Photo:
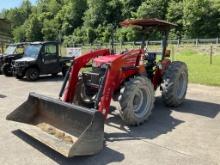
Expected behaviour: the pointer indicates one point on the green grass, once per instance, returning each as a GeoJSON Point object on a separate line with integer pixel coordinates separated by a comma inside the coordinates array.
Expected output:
{"type": "Point", "coordinates": [200, 69]}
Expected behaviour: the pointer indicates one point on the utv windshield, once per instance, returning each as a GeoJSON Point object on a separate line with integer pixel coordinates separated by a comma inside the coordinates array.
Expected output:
{"type": "Point", "coordinates": [10, 49]}
{"type": "Point", "coordinates": [32, 51]}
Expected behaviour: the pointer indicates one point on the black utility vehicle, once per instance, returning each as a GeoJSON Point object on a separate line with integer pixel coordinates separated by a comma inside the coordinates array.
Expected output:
{"type": "Point", "coordinates": [40, 58]}
{"type": "Point", "coordinates": [13, 52]}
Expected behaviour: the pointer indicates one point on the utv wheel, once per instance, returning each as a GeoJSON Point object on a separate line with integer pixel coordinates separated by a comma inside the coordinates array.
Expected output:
{"type": "Point", "coordinates": [82, 97]}
{"type": "Point", "coordinates": [64, 70]}
{"type": "Point", "coordinates": [19, 77]}
{"type": "Point", "coordinates": [32, 74]}
{"type": "Point", "coordinates": [175, 82]}
{"type": "Point", "coordinates": [6, 70]}
{"type": "Point", "coordinates": [136, 100]}
{"type": "Point", "coordinates": [54, 74]}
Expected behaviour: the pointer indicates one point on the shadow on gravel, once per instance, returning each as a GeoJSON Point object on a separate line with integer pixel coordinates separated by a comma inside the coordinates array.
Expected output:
{"type": "Point", "coordinates": [160, 122]}
{"type": "Point", "coordinates": [201, 108]}
{"type": "Point", "coordinates": [2, 96]}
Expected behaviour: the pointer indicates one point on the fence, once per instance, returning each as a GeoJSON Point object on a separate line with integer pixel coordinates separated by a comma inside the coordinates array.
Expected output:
{"type": "Point", "coordinates": [200, 46]}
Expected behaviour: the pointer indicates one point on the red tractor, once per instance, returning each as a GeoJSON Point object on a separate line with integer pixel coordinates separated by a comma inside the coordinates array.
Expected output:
{"type": "Point", "coordinates": [74, 125]}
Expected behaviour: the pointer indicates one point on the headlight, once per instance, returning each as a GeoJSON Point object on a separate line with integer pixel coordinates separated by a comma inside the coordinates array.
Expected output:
{"type": "Point", "coordinates": [21, 63]}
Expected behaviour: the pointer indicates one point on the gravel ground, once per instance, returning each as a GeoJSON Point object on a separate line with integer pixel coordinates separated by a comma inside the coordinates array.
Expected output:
{"type": "Point", "coordinates": [189, 134]}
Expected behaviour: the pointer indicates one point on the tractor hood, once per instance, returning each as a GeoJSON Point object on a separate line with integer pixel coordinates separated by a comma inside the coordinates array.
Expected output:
{"type": "Point", "coordinates": [8, 55]}
{"type": "Point", "coordinates": [97, 62]}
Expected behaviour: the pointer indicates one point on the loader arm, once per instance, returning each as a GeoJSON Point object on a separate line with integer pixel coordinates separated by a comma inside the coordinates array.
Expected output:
{"type": "Point", "coordinates": [79, 63]}
{"type": "Point", "coordinates": [114, 75]}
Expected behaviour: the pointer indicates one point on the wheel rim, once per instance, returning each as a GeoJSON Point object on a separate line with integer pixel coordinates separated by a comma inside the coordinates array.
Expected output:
{"type": "Point", "coordinates": [141, 102]}
{"type": "Point", "coordinates": [34, 75]}
{"type": "Point", "coordinates": [84, 96]}
{"type": "Point", "coordinates": [138, 100]}
{"type": "Point", "coordinates": [181, 85]}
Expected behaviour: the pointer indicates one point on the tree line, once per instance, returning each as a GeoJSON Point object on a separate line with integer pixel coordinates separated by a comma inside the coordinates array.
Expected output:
{"type": "Point", "coordinates": [88, 21]}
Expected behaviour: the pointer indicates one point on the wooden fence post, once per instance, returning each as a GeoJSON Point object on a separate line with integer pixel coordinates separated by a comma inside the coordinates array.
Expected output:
{"type": "Point", "coordinates": [121, 43]}
{"type": "Point", "coordinates": [90, 46]}
{"type": "Point", "coordinates": [211, 53]}
{"type": "Point", "coordinates": [197, 41]}
{"type": "Point", "coordinates": [173, 53]}
{"type": "Point", "coordinates": [178, 42]}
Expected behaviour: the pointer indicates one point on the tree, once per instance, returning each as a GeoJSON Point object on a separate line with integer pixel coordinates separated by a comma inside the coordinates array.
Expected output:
{"type": "Point", "coordinates": [113, 12]}
{"type": "Point", "coordinates": [50, 30]}
{"type": "Point", "coordinates": [153, 9]}
{"type": "Point", "coordinates": [70, 16]}
{"type": "Point", "coordinates": [33, 29]}
{"type": "Point", "coordinates": [201, 18]}
{"type": "Point", "coordinates": [127, 34]}
{"type": "Point", "coordinates": [91, 35]}
{"type": "Point", "coordinates": [26, 9]}
{"type": "Point", "coordinates": [129, 7]}
{"type": "Point", "coordinates": [96, 13]}
{"type": "Point", "coordinates": [17, 16]}
{"type": "Point", "coordinates": [19, 34]}
{"type": "Point", "coordinates": [90, 20]}
{"type": "Point", "coordinates": [175, 15]}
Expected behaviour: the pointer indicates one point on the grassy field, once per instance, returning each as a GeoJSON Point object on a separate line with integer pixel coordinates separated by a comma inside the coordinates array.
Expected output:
{"type": "Point", "coordinates": [200, 69]}
{"type": "Point", "coordinates": [197, 59]}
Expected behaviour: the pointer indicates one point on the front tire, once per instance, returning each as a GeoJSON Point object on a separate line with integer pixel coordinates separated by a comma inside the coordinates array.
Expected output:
{"type": "Point", "coordinates": [32, 74]}
{"type": "Point", "coordinates": [6, 70]}
{"type": "Point", "coordinates": [175, 83]}
{"type": "Point", "coordinates": [19, 77]}
{"type": "Point", "coordinates": [82, 97]}
{"type": "Point", "coordinates": [64, 70]}
{"type": "Point", "coordinates": [136, 100]}
{"type": "Point", "coordinates": [54, 74]}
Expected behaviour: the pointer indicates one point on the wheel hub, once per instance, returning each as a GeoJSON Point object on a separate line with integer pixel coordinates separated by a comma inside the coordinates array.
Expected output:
{"type": "Point", "coordinates": [33, 75]}
{"type": "Point", "coordinates": [138, 100]}
{"type": "Point", "coordinates": [181, 85]}
{"type": "Point", "coordinates": [141, 102]}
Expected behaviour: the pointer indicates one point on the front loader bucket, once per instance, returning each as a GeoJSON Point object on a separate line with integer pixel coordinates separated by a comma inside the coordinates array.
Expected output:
{"type": "Point", "coordinates": [68, 129]}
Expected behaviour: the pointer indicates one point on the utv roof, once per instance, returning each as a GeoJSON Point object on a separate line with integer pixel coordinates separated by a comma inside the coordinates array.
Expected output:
{"type": "Point", "coordinates": [151, 22]}
{"type": "Point", "coordinates": [44, 42]}
{"type": "Point", "coordinates": [19, 43]}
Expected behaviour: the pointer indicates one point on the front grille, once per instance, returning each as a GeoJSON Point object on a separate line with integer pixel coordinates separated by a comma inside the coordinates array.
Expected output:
{"type": "Point", "coordinates": [18, 64]}
{"type": "Point", "coordinates": [93, 78]}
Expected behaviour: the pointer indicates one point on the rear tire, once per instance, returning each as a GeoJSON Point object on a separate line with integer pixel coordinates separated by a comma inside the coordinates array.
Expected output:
{"type": "Point", "coordinates": [175, 82]}
{"type": "Point", "coordinates": [6, 70]}
{"type": "Point", "coordinates": [32, 74]}
{"type": "Point", "coordinates": [136, 100]}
